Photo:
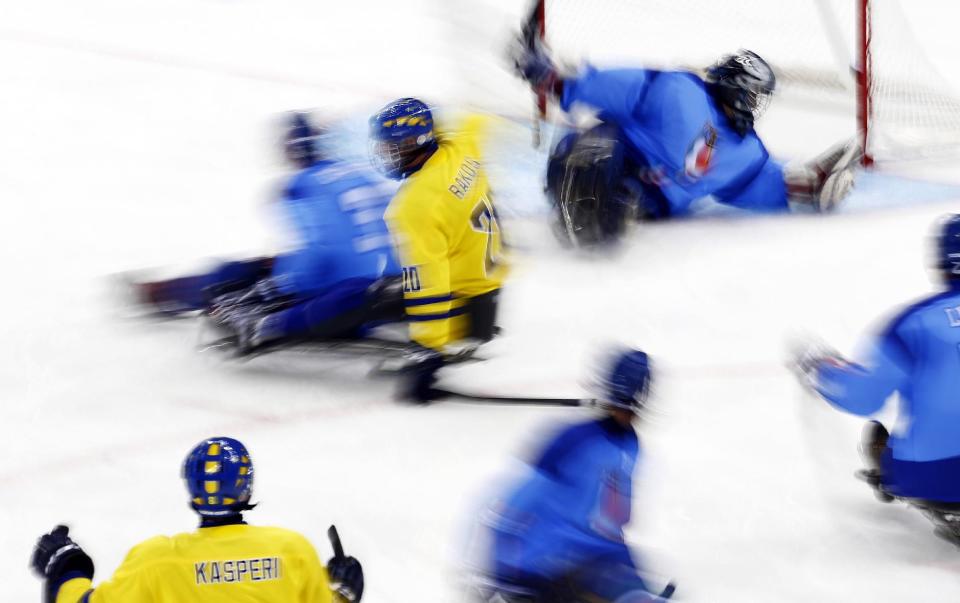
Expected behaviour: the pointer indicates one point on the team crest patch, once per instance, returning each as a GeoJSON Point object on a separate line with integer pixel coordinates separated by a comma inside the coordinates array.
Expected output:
{"type": "Point", "coordinates": [700, 156]}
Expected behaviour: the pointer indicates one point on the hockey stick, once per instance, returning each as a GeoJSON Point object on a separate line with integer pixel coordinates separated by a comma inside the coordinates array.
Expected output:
{"type": "Point", "coordinates": [334, 537]}
{"type": "Point", "coordinates": [531, 32]}
{"type": "Point", "coordinates": [463, 397]}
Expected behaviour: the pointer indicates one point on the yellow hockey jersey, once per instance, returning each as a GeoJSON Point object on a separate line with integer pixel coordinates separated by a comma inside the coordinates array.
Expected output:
{"type": "Point", "coordinates": [225, 564]}
{"type": "Point", "coordinates": [446, 228]}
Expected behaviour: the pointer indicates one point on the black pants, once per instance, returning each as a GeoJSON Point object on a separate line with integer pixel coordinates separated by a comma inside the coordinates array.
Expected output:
{"type": "Point", "coordinates": [482, 313]}
{"type": "Point", "coordinates": [384, 303]}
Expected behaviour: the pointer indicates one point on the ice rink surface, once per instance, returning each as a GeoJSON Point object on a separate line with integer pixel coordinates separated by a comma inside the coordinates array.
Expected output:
{"type": "Point", "coordinates": [138, 133]}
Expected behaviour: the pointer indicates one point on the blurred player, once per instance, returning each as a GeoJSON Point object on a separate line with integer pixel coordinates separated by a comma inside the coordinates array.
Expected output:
{"type": "Point", "coordinates": [446, 227]}
{"type": "Point", "coordinates": [225, 560]}
{"type": "Point", "coordinates": [342, 275]}
{"type": "Point", "coordinates": [558, 535]}
{"type": "Point", "coordinates": [669, 138]}
{"type": "Point", "coordinates": [917, 355]}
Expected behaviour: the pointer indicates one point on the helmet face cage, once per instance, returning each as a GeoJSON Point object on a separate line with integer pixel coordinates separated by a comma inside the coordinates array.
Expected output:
{"type": "Point", "coordinates": [301, 149]}
{"type": "Point", "coordinates": [385, 157]}
{"type": "Point", "coordinates": [635, 402]}
{"type": "Point", "coordinates": [301, 140]}
{"type": "Point", "coordinates": [757, 101]}
{"type": "Point", "coordinates": [948, 247]}
{"type": "Point", "coordinates": [952, 266]}
{"type": "Point", "coordinates": [394, 159]}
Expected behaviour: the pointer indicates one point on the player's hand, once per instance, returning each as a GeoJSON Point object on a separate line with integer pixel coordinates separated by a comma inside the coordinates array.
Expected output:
{"type": "Point", "coordinates": [532, 63]}
{"type": "Point", "coordinates": [223, 305]}
{"type": "Point", "coordinates": [56, 555]}
{"type": "Point", "coordinates": [267, 290]}
{"type": "Point", "coordinates": [262, 292]}
{"type": "Point", "coordinates": [346, 577]}
{"type": "Point", "coordinates": [806, 358]}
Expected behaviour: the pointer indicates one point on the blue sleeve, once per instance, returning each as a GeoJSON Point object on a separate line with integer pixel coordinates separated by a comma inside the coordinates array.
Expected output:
{"type": "Point", "coordinates": [765, 192]}
{"type": "Point", "coordinates": [615, 93]}
{"type": "Point", "coordinates": [863, 389]}
{"type": "Point", "coordinates": [553, 458]}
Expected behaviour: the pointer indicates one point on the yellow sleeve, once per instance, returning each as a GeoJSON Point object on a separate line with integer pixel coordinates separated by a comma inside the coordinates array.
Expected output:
{"type": "Point", "coordinates": [424, 251]}
{"type": "Point", "coordinates": [129, 583]}
{"type": "Point", "coordinates": [73, 591]}
{"type": "Point", "coordinates": [481, 127]}
{"type": "Point", "coordinates": [476, 127]}
{"type": "Point", "coordinates": [316, 584]}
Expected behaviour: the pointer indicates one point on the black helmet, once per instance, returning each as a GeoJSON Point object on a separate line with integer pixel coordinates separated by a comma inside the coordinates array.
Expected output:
{"type": "Point", "coordinates": [948, 247]}
{"type": "Point", "coordinates": [626, 385]}
{"type": "Point", "coordinates": [743, 82]}
{"type": "Point", "coordinates": [301, 139]}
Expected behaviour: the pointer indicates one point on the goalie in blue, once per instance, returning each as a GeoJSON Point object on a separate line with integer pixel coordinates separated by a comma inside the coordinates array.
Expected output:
{"type": "Point", "coordinates": [916, 355]}
{"type": "Point", "coordinates": [557, 536]}
{"type": "Point", "coordinates": [669, 138]}
{"type": "Point", "coordinates": [341, 277]}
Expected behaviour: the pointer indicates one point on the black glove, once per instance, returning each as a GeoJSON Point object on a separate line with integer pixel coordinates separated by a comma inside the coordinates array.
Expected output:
{"type": "Point", "coordinates": [421, 375]}
{"type": "Point", "coordinates": [346, 577]}
{"type": "Point", "coordinates": [807, 358]}
{"type": "Point", "coordinates": [56, 555]}
{"type": "Point", "coordinates": [532, 62]}
{"type": "Point", "coordinates": [243, 316]}
{"type": "Point", "coordinates": [262, 293]}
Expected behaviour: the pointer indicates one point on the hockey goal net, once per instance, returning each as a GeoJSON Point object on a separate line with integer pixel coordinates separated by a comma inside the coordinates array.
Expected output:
{"type": "Point", "coordinates": [858, 56]}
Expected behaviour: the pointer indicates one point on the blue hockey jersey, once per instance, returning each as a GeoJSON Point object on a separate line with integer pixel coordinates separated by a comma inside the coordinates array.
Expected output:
{"type": "Point", "coordinates": [918, 356]}
{"type": "Point", "coordinates": [680, 138]}
{"type": "Point", "coordinates": [570, 509]}
{"type": "Point", "coordinates": [336, 210]}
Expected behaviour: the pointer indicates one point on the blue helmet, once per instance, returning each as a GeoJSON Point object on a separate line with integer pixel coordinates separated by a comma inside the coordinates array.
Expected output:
{"type": "Point", "coordinates": [219, 477]}
{"type": "Point", "coordinates": [301, 139]}
{"type": "Point", "coordinates": [744, 83]}
{"type": "Point", "coordinates": [402, 137]}
{"type": "Point", "coordinates": [627, 383]}
{"type": "Point", "coordinates": [948, 247]}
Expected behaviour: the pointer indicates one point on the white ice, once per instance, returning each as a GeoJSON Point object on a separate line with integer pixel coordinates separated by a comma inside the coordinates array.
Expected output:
{"type": "Point", "coordinates": [137, 133]}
